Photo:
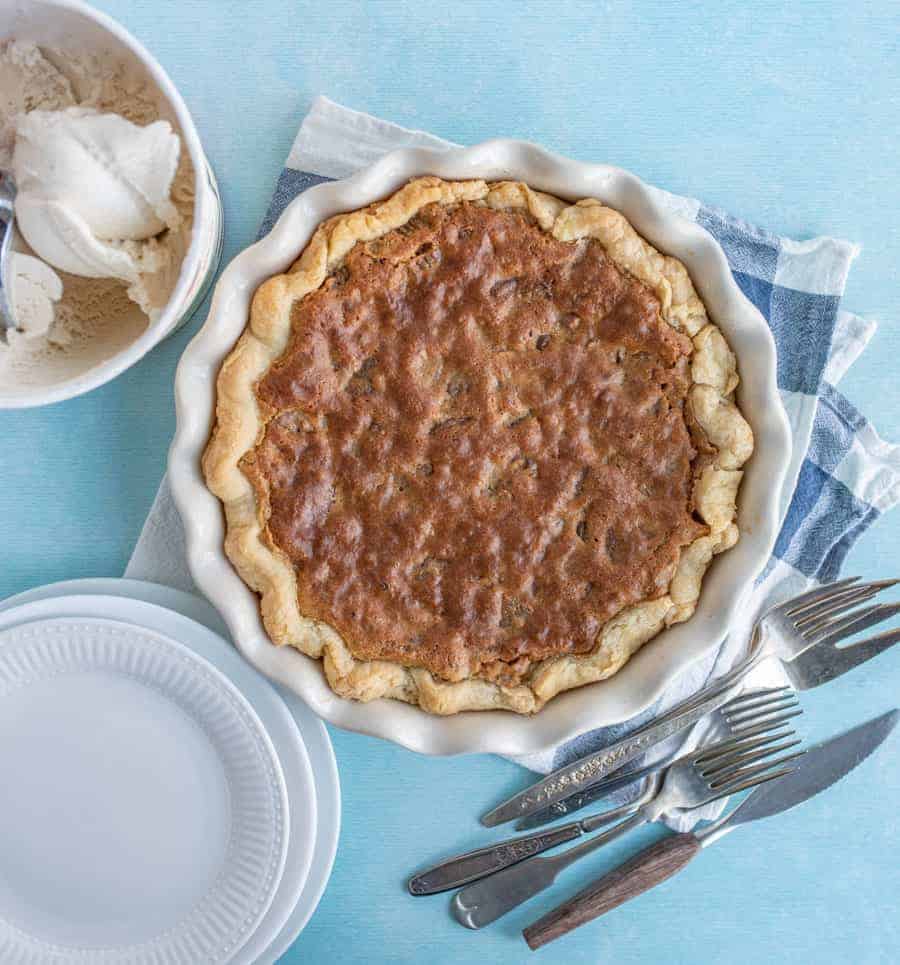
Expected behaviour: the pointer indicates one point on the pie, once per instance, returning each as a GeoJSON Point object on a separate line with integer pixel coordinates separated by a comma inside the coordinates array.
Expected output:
{"type": "Point", "coordinates": [476, 447]}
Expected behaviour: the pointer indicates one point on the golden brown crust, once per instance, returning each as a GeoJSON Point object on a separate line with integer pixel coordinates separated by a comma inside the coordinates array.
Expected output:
{"type": "Point", "coordinates": [725, 440]}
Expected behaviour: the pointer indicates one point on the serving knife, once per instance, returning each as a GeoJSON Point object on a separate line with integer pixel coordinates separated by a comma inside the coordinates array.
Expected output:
{"type": "Point", "coordinates": [819, 768]}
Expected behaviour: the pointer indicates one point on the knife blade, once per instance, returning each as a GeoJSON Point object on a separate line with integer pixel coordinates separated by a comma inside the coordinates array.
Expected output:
{"type": "Point", "coordinates": [819, 768]}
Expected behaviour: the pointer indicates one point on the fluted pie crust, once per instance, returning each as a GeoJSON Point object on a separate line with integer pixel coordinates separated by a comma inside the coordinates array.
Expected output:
{"type": "Point", "coordinates": [245, 469]}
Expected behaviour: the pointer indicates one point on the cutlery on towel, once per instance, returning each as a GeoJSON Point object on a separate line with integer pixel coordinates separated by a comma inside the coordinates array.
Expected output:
{"type": "Point", "coordinates": [697, 778]}
{"type": "Point", "coordinates": [817, 665]}
{"type": "Point", "coordinates": [746, 715]}
{"type": "Point", "coordinates": [802, 633]}
{"type": "Point", "coordinates": [819, 768]}
{"type": "Point", "coordinates": [753, 714]}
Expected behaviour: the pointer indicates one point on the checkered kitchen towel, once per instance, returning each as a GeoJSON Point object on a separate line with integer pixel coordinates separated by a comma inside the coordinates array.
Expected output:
{"type": "Point", "coordinates": [842, 478]}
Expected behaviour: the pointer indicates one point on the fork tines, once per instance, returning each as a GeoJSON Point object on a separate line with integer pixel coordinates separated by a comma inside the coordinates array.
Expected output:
{"type": "Point", "coordinates": [823, 613]}
{"type": "Point", "coordinates": [745, 762]}
{"type": "Point", "coordinates": [760, 710]}
{"type": "Point", "coordinates": [756, 752]}
{"type": "Point", "coordinates": [805, 600]}
{"type": "Point", "coordinates": [833, 629]}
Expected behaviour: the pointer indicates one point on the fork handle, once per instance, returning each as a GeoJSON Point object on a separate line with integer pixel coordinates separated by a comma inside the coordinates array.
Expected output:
{"type": "Point", "coordinates": [646, 869]}
{"type": "Point", "coordinates": [592, 768]}
{"type": "Point", "coordinates": [468, 867]}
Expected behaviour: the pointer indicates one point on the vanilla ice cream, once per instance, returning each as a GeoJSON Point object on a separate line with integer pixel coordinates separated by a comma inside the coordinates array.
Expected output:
{"type": "Point", "coordinates": [104, 207]}
{"type": "Point", "coordinates": [34, 290]}
{"type": "Point", "coordinates": [91, 187]}
{"type": "Point", "coordinates": [28, 82]}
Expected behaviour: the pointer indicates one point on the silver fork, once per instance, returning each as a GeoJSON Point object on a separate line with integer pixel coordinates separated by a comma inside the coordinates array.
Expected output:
{"type": "Point", "coordinates": [741, 716]}
{"type": "Point", "coordinates": [802, 633]}
{"type": "Point", "coordinates": [695, 779]}
{"type": "Point", "coordinates": [825, 614]}
{"type": "Point", "coordinates": [753, 714]}
{"type": "Point", "coordinates": [823, 628]}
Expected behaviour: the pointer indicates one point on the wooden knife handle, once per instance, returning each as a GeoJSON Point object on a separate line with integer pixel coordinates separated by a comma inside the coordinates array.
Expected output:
{"type": "Point", "coordinates": [650, 867]}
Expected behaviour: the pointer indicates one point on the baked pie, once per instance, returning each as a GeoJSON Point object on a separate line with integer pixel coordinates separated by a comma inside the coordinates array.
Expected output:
{"type": "Point", "coordinates": [476, 447]}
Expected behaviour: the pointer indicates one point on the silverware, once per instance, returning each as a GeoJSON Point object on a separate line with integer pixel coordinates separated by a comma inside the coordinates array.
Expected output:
{"type": "Point", "coordinates": [593, 768]}
{"type": "Point", "coordinates": [824, 615]}
{"type": "Point", "coordinates": [695, 779]}
{"type": "Point", "coordinates": [7, 203]}
{"type": "Point", "coordinates": [464, 868]}
{"type": "Point", "coordinates": [748, 716]}
{"type": "Point", "coordinates": [745, 716]}
{"type": "Point", "coordinates": [819, 619]}
{"type": "Point", "coordinates": [819, 768]}
{"type": "Point", "coordinates": [826, 660]}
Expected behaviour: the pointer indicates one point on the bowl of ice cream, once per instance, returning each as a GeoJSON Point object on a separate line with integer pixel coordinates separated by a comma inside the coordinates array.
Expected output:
{"type": "Point", "coordinates": [118, 221]}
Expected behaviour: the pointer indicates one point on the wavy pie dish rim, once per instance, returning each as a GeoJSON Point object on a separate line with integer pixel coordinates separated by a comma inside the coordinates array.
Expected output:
{"type": "Point", "coordinates": [240, 423]}
{"type": "Point", "coordinates": [409, 725]}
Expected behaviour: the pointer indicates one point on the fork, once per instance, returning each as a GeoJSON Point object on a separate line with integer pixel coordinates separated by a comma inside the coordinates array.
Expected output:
{"type": "Point", "coordinates": [697, 778]}
{"type": "Point", "coordinates": [751, 715]}
{"type": "Point", "coordinates": [823, 615]}
{"type": "Point", "coordinates": [803, 633]}
{"type": "Point", "coordinates": [729, 720]}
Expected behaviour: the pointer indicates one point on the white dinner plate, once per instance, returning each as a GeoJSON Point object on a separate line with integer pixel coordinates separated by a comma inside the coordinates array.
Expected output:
{"type": "Point", "coordinates": [290, 723]}
{"type": "Point", "coordinates": [144, 816]}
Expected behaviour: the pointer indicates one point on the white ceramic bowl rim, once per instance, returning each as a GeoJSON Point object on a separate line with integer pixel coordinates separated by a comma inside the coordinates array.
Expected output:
{"type": "Point", "coordinates": [643, 679]}
{"type": "Point", "coordinates": [203, 211]}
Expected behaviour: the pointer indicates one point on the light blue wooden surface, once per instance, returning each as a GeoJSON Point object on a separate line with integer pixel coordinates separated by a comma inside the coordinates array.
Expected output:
{"type": "Point", "coordinates": [783, 113]}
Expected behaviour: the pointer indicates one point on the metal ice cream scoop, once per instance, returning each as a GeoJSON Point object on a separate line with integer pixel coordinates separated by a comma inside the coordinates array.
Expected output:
{"type": "Point", "coordinates": [7, 205]}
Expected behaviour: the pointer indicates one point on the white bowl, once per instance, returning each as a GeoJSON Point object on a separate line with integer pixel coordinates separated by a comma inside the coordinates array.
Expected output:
{"type": "Point", "coordinates": [72, 25]}
{"type": "Point", "coordinates": [644, 677]}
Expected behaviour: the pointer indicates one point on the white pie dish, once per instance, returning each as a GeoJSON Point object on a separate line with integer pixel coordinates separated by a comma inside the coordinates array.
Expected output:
{"type": "Point", "coordinates": [644, 677]}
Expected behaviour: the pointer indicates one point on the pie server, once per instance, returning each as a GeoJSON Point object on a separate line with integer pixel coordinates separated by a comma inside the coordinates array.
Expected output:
{"type": "Point", "coordinates": [819, 768]}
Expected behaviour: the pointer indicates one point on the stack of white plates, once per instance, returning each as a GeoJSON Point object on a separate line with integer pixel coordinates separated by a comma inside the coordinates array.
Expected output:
{"type": "Point", "coordinates": [161, 801]}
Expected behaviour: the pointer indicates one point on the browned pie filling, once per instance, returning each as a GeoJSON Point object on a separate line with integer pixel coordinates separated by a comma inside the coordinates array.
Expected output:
{"type": "Point", "coordinates": [477, 450]}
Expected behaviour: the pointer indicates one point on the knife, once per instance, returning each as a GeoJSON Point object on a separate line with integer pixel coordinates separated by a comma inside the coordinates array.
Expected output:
{"type": "Point", "coordinates": [819, 768]}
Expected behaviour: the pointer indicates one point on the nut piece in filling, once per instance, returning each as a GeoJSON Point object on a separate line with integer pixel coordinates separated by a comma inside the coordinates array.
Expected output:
{"type": "Point", "coordinates": [495, 447]}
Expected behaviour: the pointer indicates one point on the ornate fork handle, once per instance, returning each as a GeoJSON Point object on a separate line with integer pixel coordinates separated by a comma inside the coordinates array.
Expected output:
{"type": "Point", "coordinates": [465, 868]}
{"type": "Point", "coordinates": [591, 769]}
{"type": "Point", "coordinates": [459, 871]}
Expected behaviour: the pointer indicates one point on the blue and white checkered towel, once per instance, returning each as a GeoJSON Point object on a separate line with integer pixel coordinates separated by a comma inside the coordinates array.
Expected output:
{"type": "Point", "coordinates": [842, 478]}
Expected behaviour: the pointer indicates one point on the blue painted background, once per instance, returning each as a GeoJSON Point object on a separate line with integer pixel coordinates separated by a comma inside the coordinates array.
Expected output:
{"type": "Point", "coordinates": [786, 114]}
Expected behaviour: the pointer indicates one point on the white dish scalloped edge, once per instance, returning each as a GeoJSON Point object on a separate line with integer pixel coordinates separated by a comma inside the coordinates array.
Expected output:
{"type": "Point", "coordinates": [642, 680]}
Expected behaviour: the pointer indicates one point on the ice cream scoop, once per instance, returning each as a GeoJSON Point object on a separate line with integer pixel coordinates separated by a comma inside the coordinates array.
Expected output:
{"type": "Point", "coordinates": [93, 187]}
{"type": "Point", "coordinates": [7, 211]}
